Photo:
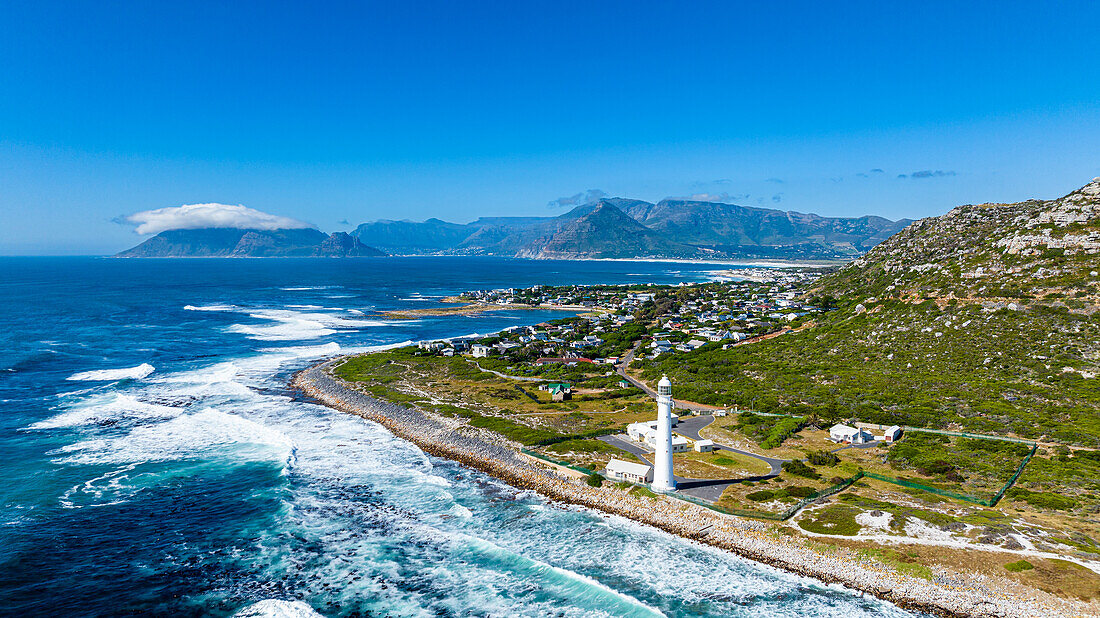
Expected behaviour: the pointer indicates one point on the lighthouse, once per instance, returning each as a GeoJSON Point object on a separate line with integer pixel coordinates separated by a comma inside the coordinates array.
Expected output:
{"type": "Point", "coordinates": [662, 457]}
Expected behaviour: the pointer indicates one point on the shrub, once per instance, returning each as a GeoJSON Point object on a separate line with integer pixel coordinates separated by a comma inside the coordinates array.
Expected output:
{"type": "Point", "coordinates": [798, 468]}
{"type": "Point", "coordinates": [800, 492]}
{"type": "Point", "coordinates": [1044, 500]}
{"type": "Point", "coordinates": [822, 458]}
{"type": "Point", "coordinates": [761, 496]}
{"type": "Point", "coordinates": [594, 480]}
{"type": "Point", "coordinates": [1019, 565]}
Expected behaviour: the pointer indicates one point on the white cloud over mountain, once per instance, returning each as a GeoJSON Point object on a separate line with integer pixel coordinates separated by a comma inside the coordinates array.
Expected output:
{"type": "Point", "coordinates": [198, 216]}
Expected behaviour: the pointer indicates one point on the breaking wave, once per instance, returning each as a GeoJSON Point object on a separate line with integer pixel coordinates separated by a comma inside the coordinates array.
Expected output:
{"type": "Point", "coordinates": [111, 375]}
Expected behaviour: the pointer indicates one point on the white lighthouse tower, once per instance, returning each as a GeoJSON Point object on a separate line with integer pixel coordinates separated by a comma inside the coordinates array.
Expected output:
{"type": "Point", "coordinates": [662, 458]}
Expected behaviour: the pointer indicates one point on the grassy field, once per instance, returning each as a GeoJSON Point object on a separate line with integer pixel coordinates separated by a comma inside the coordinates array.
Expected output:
{"type": "Point", "coordinates": [716, 465]}
{"type": "Point", "coordinates": [456, 387]}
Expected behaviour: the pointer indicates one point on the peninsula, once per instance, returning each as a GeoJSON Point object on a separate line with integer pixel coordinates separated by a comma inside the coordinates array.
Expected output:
{"type": "Point", "coordinates": [947, 484]}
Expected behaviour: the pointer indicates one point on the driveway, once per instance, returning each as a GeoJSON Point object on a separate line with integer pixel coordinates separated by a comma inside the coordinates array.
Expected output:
{"type": "Point", "coordinates": [704, 489]}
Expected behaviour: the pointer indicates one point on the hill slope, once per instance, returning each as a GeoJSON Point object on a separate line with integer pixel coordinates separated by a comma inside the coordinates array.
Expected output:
{"type": "Point", "coordinates": [984, 319]}
{"type": "Point", "coordinates": [605, 232]}
{"type": "Point", "coordinates": [1037, 248]}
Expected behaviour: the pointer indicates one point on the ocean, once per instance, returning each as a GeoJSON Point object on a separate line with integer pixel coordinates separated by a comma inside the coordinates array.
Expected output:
{"type": "Point", "coordinates": [155, 463]}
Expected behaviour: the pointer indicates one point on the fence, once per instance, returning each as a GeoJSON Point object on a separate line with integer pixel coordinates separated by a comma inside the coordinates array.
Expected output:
{"type": "Point", "coordinates": [839, 487]}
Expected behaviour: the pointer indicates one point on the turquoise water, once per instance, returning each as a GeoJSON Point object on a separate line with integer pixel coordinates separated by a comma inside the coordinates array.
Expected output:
{"type": "Point", "coordinates": [155, 464]}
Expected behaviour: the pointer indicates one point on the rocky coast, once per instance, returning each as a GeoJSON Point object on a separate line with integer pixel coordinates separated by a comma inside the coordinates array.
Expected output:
{"type": "Point", "coordinates": [947, 593]}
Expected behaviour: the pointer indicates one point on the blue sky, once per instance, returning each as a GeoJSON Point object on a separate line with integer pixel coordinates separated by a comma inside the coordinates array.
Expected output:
{"type": "Point", "coordinates": [328, 113]}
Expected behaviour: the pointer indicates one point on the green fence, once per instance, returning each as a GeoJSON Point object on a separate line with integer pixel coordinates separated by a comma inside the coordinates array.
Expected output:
{"type": "Point", "coordinates": [934, 490]}
{"type": "Point", "coordinates": [976, 436]}
{"type": "Point", "coordinates": [1012, 481]}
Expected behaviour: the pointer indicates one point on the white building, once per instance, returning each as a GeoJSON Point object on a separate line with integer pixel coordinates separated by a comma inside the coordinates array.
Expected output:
{"type": "Point", "coordinates": [891, 434]}
{"type": "Point", "coordinates": [431, 346]}
{"type": "Point", "coordinates": [628, 471]}
{"type": "Point", "coordinates": [704, 446]}
{"type": "Point", "coordinates": [849, 435]}
{"type": "Point", "coordinates": [480, 351]}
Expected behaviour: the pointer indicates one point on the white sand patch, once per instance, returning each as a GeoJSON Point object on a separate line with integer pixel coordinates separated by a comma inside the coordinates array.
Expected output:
{"type": "Point", "coordinates": [880, 521]}
{"type": "Point", "coordinates": [922, 530]}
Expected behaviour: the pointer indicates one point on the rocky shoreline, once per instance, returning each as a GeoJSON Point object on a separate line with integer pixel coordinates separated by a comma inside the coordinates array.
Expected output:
{"type": "Point", "coordinates": [966, 595]}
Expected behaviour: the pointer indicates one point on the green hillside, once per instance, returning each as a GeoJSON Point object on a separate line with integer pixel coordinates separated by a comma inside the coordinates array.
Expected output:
{"type": "Point", "coordinates": [984, 319]}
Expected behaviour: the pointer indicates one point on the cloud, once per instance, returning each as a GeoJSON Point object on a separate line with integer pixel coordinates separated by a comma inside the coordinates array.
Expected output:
{"type": "Point", "coordinates": [198, 216]}
{"type": "Point", "coordinates": [903, 175]}
{"type": "Point", "coordinates": [778, 197]}
{"type": "Point", "coordinates": [877, 171]}
{"type": "Point", "coordinates": [930, 174]}
{"type": "Point", "coordinates": [343, 222]}
{"type": "Point", "coordinates": [862, 175]}
{"type": "Point", "coordinates": [590, 196]}
{"type": "Point", "coordinates": [777, 181]}
{"type": "Point", "coordinates": [704, 197]}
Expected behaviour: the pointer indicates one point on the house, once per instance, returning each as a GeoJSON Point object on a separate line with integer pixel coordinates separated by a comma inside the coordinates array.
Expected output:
{"type": "Point", "coordinates": [430, 346]}
{"type": "Point", "coordinates": [449, 352]}
{"type": "Point", "coordinates": [891, 434]}
{"type": "Point", "coordinates": [624, 384]}
{"type": "Point", "coordinates": [560, 391]}
{"type": "Point", "coordinates": [849, 435]}
{"type": "Point", "coordinates": [480, 351]}
{"type": "Point", "coordinates": [704, 446]}
{"type": "Point", "coordinates": [629, 471]}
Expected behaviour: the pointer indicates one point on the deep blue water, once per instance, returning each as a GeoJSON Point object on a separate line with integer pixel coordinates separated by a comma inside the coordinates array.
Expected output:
{"type": "Point", "coordinates": [154, 464]}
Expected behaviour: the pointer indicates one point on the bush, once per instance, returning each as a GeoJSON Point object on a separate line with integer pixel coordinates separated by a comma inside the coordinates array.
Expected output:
{"type": "Point", "coordinates": [822, 458]}
{"type": "Point", "coordinates": [1043, 500]}
{"type": "Point", "coordinates": [761, 496]}
{"type": "Point", "coordinates": [798, 468]}
{"type": "Point", "coordinates": [1019, 565]}
{"type": "Point", "coordinates": [594, 480]}
{"type": "Point", "coordinates": [800, 492]}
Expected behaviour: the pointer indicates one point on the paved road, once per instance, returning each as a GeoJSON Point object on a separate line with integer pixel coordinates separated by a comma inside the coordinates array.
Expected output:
{"type": "Point", "coordinates": [691, 426]}
{"type": "Point", "coordinates": [704, 489]}
{"type": "Point", "coordinates": [629, 358]}
{"type": "Point", "coordinates": [504, 375]}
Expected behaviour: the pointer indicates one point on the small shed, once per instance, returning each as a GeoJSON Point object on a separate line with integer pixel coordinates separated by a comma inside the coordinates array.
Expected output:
{"type": "Point", "coordinates": [704, 446]}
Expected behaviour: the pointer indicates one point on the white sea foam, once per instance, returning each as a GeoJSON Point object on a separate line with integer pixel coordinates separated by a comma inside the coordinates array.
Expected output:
{"type": "Point", "coordinates": [110, 375]}
{"type": "Point", "coordinates": [105, 408]}
{"type": "Point", "coordinates": [190, 436]}
{"type": "Point", "coordinates": [305, 351]}
{"type": "Point", "coordinates": [275, 608]}
{"type": "Point", "coordinates": [297, 325]}
{"type": "Point", "coordinates": [210, 307]}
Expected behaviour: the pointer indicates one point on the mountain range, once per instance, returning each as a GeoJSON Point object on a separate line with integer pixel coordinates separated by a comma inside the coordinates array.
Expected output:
{"type": "Point", "coordinates": [233, 242]}
{"type": "Point", "coordinates": [609, 228]}
{"type": "Point", "coordinates": [626, 228]}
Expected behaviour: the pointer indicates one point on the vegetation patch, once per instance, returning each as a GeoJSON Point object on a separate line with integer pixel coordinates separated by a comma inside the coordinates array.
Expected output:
{"type": "Point", "coordinates": [834, 519]}
{"type": "Point", "coordinates": [798, 468]}
{"type": "Point", "coordinates": [767, 431]}
{"type": "Point", "coordinates": [969, 466]}
{"type": "Point", "coordinates": [1019, 565]}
